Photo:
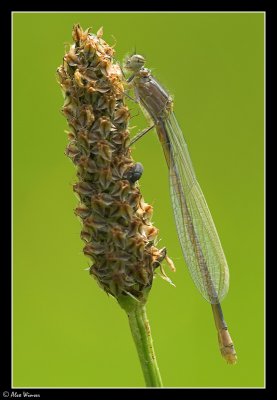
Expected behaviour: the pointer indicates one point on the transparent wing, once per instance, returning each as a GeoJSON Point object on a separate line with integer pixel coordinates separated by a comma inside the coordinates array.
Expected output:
{"type": "Point", "coordinates": [197, 233]}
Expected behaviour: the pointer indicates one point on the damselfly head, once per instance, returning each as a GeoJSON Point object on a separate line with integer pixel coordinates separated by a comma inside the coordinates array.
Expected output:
{"type": "Point", "coordinates": [135, 62]}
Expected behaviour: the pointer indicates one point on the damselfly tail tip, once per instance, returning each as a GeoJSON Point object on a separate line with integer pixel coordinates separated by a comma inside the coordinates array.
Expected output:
{"type": "Point", "coordinates": [231, 358]}
{"type": "Point", "coordinates": [227, 348]}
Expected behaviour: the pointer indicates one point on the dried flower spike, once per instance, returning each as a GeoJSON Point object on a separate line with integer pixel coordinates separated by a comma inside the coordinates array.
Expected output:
{"type": "Point", "coordinates": [118, 234]}
{"type": "Point", "coordinates": [116, 227]}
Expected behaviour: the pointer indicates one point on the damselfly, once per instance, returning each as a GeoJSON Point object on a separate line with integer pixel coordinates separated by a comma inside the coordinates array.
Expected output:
{"type": "Point", "coordinates": [198, 237]}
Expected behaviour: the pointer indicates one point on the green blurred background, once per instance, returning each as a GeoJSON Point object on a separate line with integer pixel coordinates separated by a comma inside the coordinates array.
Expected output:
{"type": "Point", "coordinates": [66, 331]}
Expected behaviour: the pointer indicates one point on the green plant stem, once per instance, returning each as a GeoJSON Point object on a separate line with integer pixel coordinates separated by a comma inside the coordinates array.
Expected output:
{"type": "Point", "coordinates": [141, 332]}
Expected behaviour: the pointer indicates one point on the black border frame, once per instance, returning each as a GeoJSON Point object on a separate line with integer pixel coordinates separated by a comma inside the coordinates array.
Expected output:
{"type": "Point", "coordinates": [6, 160]}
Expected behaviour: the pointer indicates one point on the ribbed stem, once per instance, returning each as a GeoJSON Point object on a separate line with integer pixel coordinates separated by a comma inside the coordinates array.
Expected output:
{"type": "Point", "coordinates": [141, 332]}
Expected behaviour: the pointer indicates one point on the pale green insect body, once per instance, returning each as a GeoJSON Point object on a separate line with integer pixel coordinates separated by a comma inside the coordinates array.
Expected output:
{"type": "Point", "coordinates": [197, 233]}
{"type": "Point", "coordinates": [198, 237]}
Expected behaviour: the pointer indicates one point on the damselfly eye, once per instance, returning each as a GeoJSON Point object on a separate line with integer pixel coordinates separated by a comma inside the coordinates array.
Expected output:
{"type": "Point", "coordinates": [139, 59]}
